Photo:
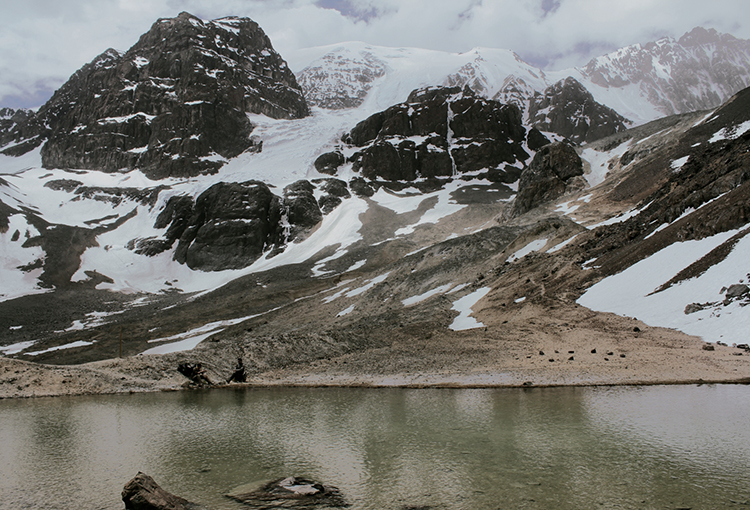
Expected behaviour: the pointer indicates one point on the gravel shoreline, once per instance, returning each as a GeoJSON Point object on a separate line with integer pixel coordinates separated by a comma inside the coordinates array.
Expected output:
{"type": "Point", "coordinates": [532, 348]}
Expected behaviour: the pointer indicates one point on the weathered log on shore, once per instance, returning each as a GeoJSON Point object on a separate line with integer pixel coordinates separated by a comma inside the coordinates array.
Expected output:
{"type": "Point", "coordinates": [143, 493]}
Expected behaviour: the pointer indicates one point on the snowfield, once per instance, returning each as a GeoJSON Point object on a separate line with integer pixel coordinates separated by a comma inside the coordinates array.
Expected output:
{"type": "Point", "coordinates": [631, 293]}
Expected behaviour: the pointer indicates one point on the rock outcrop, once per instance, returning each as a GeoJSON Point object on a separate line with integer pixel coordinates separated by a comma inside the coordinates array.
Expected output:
{"type": "Point", "coordinates": [231, 225]}
{"type": "Point", "coordinates": [291, 492]}
{"type": "Point", "coordinates": [173, 105]}
{"type": "Point", "coordinates": [547, 177]}
{"type": "Point", "coordinates": [438, 132]}
{"type": "Point", "coordinates": [143, 493]}
{"type": "Point", "coordinates": [568, 109]}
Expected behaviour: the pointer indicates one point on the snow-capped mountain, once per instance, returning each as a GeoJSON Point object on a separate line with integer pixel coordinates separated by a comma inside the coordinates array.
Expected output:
{"type": "Point", "coordinates": [416, 183]}
{"type": "Point", "coordinates": [699, 71]}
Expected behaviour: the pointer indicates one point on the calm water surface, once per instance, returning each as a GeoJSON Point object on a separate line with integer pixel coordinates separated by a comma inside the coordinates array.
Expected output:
{"type": "Point", "coordinates": [662, 447]}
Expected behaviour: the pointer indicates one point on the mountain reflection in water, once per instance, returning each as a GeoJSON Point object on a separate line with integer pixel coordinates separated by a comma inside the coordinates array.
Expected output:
{"type": "Point", "coordinates": [558, 448]}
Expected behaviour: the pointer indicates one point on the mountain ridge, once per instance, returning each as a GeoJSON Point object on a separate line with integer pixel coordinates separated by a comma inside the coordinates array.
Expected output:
{"type": "Point", "coordinates": [438, 239]}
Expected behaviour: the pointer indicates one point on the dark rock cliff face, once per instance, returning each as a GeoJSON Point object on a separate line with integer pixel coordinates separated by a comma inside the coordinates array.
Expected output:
{"type": "Point", "coordinates": [547, 177]}
{"type": "Point", "coordinates": [231, 225]}
{"type": "Point", "coordinates": [174, 105]}
{"type": "Point", "coordinates": [438, 132]}
{"type": "Point", "coordinates": [20, 131]}
{"type": "Point", "coordinates": [568, 109]}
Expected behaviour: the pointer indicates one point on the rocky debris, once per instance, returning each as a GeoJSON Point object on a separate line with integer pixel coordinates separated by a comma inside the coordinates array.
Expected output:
{"type": "Point", "coordinates": [548, 176]}
{"type": "Point", "coordinates": [143, 493]}
{"type": "Point", "coordinates": [568, 109]}
{"type": "Point", "coordinates": [174, 104]}
{"type": "Point", "coordinates": [438, 132]}
{"type": "Point", "coordinates": [329, 162]}
{"type": "Point", "coordinates": [340, 79]}
{"type": "Point", "coordinates": [196, 373]}
{"type": "Point", "coordinates": [292, 492]}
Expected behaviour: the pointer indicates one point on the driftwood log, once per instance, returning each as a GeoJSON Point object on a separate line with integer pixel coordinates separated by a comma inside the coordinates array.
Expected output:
{"type": "Point", "coordinates": [143, 493]}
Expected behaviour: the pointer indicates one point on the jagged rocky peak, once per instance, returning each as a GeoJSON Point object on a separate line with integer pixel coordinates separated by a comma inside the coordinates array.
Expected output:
{"type": "Point", "coordinates": [699, 71]}
{"type": "Point", "coordinates": [568, 109]}
{"type": "Point", "coordinates": [341, 78]}
{"type": "Point", "coordinates": [174, 104]}
{"type": "Point", "coordinates": [440, 132]}
{"type": "Point", "coordinates": [515, 91]}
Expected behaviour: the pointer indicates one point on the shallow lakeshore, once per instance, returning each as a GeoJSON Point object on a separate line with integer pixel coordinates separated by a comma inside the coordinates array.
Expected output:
{"type": "Point", "coordinates": [537, 346]}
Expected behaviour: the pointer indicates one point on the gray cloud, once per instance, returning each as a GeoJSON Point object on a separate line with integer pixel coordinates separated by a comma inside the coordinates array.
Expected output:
{"type": "Point", "coordinates": [42, 42]}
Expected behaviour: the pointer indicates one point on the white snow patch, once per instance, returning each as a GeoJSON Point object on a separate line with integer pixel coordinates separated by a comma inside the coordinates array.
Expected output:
{"type": "Point", "coordinates": [17, 347]}
{"type": "Point", "coordinates": [78, 343]}
{"type": "Point", "coordinates": [627, 293]}
{"type": "Point", "coordinates": [532, 246]}
{"type": "Point", "coordinates": [356, 265]}
{"type": "Point", "coordinates": [561, 245]}
{"type": "Point", "coordinates": [677, 164]}
{"type": "Point", "coordinates": [421, 297]}
{"type": "Point", "coordinates": [731, 133]}
{"type": "Point", "coordinates": [599, 162]}
{"type": "Point", "coordinates": [463, 307]}
{"type": "Point", "coordinates": [346, 311]}
{"type": "Point", "coordinates": [368, 285]}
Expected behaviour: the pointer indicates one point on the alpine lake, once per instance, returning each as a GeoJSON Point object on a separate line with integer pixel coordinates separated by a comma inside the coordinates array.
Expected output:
{"type": "Point", "coordinates": [649, 447]}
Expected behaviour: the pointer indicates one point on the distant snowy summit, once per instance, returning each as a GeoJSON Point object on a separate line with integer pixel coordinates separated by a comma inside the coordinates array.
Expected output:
{"type": "Point", "coordinates": [175, 104]}
{"type": "Point", "coordinates": [641, 82]}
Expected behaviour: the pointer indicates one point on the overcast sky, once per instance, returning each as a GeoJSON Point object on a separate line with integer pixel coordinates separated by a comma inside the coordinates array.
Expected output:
{"type": "Point", "coordinates": [42, 42]}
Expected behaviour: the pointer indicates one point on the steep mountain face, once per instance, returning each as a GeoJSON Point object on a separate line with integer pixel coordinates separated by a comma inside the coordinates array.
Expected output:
{"type": "Point", "coordinates": [321, 246]}
{"type": "Point", "coordinates": [699, 71]}
{"type": "Point", "coordinates": [568, 109]}
{"type": "Point", "coordinates": [175, 104]}
{"type": "Point", "coordinates": [440, 132]}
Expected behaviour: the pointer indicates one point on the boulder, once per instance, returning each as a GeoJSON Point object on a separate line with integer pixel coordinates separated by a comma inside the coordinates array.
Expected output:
{"type": "Point", "coordinates": [361, 187]}
{"type": "Point", "coordinates": [291, 492]}
{"type": "Point", "coordinates": [301, 209]}
{"type": "Point", "coordinates": [329, 162]}
{"type": "Point", "coordinates": [535, 140]}
{"type": "Point", "coordinates": [736, 291]}
{"type": "Point", "coordinates": [547, 177]}
{"type": "Point", "coordinates": [143, 493]}
{"type": "Point", "coordinates": [334, 192]}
